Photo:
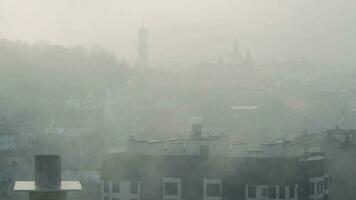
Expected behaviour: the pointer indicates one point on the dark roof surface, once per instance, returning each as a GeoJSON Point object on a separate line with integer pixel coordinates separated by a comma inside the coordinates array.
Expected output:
{"type": "Point", "coordinates": [123, 166]}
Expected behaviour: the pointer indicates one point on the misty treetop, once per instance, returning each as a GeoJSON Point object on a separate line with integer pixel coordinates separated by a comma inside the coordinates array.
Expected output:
{"type": "Point", "coordinates": [35, 77]}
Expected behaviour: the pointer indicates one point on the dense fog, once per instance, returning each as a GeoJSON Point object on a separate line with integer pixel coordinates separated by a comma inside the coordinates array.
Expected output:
{"type": "Point", "coordinates": [79, 78]}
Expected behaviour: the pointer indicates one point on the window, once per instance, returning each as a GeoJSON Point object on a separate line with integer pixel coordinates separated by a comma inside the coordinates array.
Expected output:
{"type": "Point", "coordinates": [264, 192]}
{"type": "Point", "coordinates": [134, 187]}
{"type": "Point", "coordinates": [318, 185]}
{"type": "Point", "coordinates": [326, 183]}
{"type": "Point", "coordinates": [213, 189]}
{"type": "Point", "coordinates": [282, 192]}
{"type": "Point", "coordinates": [115, 186]}
{"type": "Point", "coordinates": [106, 187]}
{"type": "Point", "coordinates": [326, 196]}
{"type": "Point", "coordinates": [311, 188]}
{"type": "Point", "coordinates": [272, 192]}
{"type": "Point", "coordinates": [321, 187]}
{"type": "Point", "coordinates": [106, 198]}
{"type": "Point", "coordinates": [251, 191]}
{"type": "Point", "coordinates": [171, 188]}
{"type": "Point", "coordinates": [291, 191]}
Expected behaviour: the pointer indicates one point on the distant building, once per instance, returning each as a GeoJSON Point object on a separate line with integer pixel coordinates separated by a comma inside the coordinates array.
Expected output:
{"type": "Point", "coordinates": [14, 143]}
{"type": "Point", "coordinates": [10, 138]}
{"type": "Point", "coordinates": [236, 57]}
{"type": "Point", "coordinates": [238, 71]}
{"type": "Point", "coordinates": [142, 47]}
{"type": "Point", "coordinates": [207, 167]}
{"type": "Point", "coordinates": [244, 64]}
{"type": "Point", "coordinates": [249, 64]}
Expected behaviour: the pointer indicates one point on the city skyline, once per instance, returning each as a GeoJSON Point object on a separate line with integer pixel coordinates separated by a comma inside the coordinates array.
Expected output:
{"type": "Point", "coordinates": [324, 34]}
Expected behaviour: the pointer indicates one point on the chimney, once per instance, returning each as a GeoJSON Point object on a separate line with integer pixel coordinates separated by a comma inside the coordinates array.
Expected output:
{"type": "Point", "coordinates": [47, 184]}
{"type": "Point", "coordinates": [47, 171]}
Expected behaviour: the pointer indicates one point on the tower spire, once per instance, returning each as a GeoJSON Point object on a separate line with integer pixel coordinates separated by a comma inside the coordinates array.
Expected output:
{"type": "Point", "coordinates": [236, 57]}
{"type": "Point", "coordinates": [248, 59]}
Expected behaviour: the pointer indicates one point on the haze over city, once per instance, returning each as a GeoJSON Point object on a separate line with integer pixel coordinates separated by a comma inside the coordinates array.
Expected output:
{"type": "Point", "coordinates": [177, 100]}
{"type": "Point", "coordinates": [186, 32]}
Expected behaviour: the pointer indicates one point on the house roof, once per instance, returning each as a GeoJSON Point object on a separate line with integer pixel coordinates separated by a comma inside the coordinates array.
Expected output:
{"type": "Point", "coordinates": [124, 166]}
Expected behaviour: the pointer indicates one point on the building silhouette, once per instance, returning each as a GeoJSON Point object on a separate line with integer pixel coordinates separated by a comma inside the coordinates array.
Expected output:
{"type": "Point", "coordinates": [212, 167]}
{"type": "Point", "coordinates": [236, 57]}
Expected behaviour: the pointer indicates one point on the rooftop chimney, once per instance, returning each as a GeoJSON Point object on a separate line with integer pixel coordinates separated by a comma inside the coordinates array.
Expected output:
{"type": "Point", "coordinates": [47, 184]}
{"type": "Point", "coordinates": [48, 171]}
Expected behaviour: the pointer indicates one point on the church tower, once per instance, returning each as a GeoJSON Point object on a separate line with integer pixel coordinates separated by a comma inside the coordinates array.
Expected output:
{"type": "Point", "coordinates": [248, 60]}
{"type": "Point", "coordinates": [142, 47]}
{"type": "Point", "coordinates": [236, 58]}
{"type": "Point", "coordinates": [249, 64]}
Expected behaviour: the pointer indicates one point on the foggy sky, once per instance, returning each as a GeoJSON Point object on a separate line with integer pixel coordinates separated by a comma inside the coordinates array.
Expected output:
{"type": "Point", "coordinates": [189, 31]}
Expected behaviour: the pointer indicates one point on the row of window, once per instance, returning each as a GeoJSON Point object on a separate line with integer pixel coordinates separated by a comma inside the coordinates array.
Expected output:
{"type": "Point", "coordinates": [115, 187]}
{"type": "Point", "coordinates": [172, 187]}
{"type": "Point", "coordinates": [271, 192]}
{"type": "Point", "coordinates": [325, 197]}
{"type": "Point", "coordinates": [115, 198]}
{"type": "Point", "coordinates": [318, 187]}
{"type": "Point", "coordinates": [213, 189]}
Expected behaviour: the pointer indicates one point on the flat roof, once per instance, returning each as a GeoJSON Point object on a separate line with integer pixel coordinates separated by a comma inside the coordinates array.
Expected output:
{"type": "Point", "coordinates": [29, 186]}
